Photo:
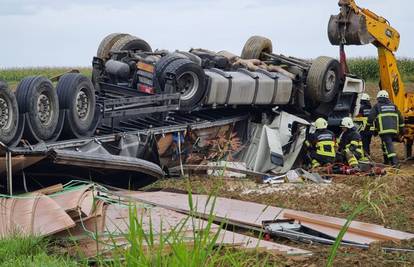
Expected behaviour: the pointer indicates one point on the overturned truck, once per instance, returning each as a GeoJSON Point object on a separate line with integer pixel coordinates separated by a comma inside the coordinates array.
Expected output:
{"type": "Point", "coordinates": [140, 103]}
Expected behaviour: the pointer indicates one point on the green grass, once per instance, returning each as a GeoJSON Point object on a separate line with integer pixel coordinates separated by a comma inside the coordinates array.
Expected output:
{"type": "Point", "coordinates": [190, 243]}
{"type": "Point", "coordinates": [202, 247]}
{"type": "Point", "coordinates": [30, 251]}
{"type": "Point", "coordinates": [364, 67]}
{"type": "Point", "coordinates": [14, 75]}
{"type": "Point", "coordinates": [367, 68]}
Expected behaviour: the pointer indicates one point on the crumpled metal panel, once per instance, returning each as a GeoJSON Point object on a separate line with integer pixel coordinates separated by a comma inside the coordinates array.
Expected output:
{"type": "Point", "coordinates": [275, 147]}
{"type": "Point", "coordinates": [95, 155]}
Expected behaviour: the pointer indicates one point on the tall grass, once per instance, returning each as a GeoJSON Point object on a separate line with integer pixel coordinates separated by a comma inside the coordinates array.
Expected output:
{"type": "Point", "coordinates": [22, 251]}
{"type": "Point", "coordinates": [370, 197]}
{"type": "Point", "coordinates": [191, 242]}
{"type": "Point", "coordinates": [367, 68]}
{"type": "Point", "coordinates": [14, 75]}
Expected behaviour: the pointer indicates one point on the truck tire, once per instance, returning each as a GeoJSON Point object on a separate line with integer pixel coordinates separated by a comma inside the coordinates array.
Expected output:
{"type": "Point", "coordinates": [106, 44]}
{"type": "Point", "coordinates": [130, 43]}
{"type": "Point", "coordinates": [160, 66]}
{"type": "Point", "coordinates": [9, 115]}
{"type": "Point", "coordinates": [38, 99]}
{"type": "Point", "coordinates": [255, 46]}
{"type": "Point", "coordinates": [190, 82]}
{"type": "Point", "coordinates": [77, 96]}
{"type": "Point", "coordinates": [193, 57]}
{"type": "Point", "coordinates": [323, 80]}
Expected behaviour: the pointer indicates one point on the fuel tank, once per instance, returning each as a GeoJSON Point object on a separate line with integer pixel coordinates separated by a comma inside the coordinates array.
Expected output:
{"type": "Point", "coordinates": [245, 87]}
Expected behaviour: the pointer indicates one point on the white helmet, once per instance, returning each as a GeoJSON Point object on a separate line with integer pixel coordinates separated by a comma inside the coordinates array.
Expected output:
{"type": "Point", "coordinates": [383, 93]}
{"type": "Point", "coordinates": [321, 123]}
{"type": "Point", "coordinates": [347, 122]}
{"type": "Point", "coordinates": [366, 97]}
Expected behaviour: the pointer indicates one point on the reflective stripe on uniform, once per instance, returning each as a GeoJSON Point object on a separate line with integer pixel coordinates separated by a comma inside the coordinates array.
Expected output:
{"type": "Point", "coordinates": [356, 145]}
{"type": "Point", "coordinates": [361, 123]}
{"type": "Point", "coordinates": [320, 148]}
{"type": "Point", "coordinates": [315, 163]}
{"type": "Point", "coordinates": [391, 155]}
{"type": "Point", "coordinates": [381, 116]}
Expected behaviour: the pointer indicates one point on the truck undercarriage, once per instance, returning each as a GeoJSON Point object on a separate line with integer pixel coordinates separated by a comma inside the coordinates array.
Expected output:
{"type": "Point", "coordinates": [137, 92]}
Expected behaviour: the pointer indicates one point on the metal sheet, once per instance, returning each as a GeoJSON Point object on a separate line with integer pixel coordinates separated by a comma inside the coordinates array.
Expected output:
{"type": "Point", "coordinates": [105, 161]}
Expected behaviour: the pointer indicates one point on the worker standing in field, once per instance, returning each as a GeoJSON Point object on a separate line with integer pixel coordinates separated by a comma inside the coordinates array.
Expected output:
{"type": "Point", "coordinates": [385, 119]}
{"type": "Point", "coordinates": [362, 121]}
{"type": "Point", "coordinates": [350, 146]}
{"type": "Point", "coordinates": [321, 144]}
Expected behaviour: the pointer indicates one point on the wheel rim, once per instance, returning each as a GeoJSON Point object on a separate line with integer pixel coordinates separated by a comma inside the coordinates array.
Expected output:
{"type": "Point", "coordinates": [187, 84]}
{"type": "Point", "coordinates": [5, 114]}
{"type": "Point", "coordinates": [44, 109]}
{"type": "Point", "coordinates": [82, 104]}
{"type": "Point", "coordinates": [330, 81]}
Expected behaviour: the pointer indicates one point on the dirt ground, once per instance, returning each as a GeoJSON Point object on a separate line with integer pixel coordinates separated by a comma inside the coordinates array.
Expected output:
{"type": "Point", "coordinates": [395, 201]}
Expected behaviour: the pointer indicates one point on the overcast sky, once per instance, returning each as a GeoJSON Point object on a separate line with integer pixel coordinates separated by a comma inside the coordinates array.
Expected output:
{"type": "Point", "coordinates": [67, 33]}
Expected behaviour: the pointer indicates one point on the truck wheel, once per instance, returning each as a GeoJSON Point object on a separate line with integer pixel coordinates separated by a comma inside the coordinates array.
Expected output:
{"type": "Point", "coordinates": [37, 98]}
{"type": "Point", "coordinates": [255, 46]}
{"type": "Point", "coordinates": [106, 44]}
{"type": "Point", "coordinates": [160, 66]}
{"type": "Point", "coordinates": [323, 80]}
{"type": "Point", "coordinates": [9, 114]}
{"type": "Point", "coordinates": [190, 82]}
{"type": "Point", "coordinates": [193, 57]}
{"type": "Point", "coordinates": [76, 96]}
{"type": "Point", "coordinates": [130, 43]}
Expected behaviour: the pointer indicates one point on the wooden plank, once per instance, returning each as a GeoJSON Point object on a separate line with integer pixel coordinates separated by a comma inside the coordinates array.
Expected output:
{"type": "Point", "coordinates": [163, 220]}
{"type": "Point", "coordinates": [34, 214]}
{"type": "Point", "coordinates": [252, 243]}
{"type": "Point", "coordinates": [333, 233]}
{"type": "Point", "coordinates": [364, 229]}
{"type": "Point", "coordinates": [252, 214]}
{"type": "Point", "coordinates": [71, 200]}
{"type": "Point", "coordinates": [50, 189]}
{"type": "Point", "coordinates": [49, 217]}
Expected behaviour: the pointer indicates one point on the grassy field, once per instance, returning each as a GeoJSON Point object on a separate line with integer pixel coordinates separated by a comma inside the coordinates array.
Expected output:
{"type": "Point", "coordinates": [367, 68]}
{"type": "Point", "coordinates": [14, 75]}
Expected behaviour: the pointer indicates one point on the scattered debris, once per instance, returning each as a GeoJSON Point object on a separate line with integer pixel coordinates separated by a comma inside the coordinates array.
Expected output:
{"type": "Point", "coordinates": [251, 215]}
{"type": "Point", "coordinates": [240, 166]}
{"type": "Point", "coordinates": [99, 220]}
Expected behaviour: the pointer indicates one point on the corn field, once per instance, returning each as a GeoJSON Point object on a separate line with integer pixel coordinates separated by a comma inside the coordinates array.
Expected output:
{"type": "Point", "coordinates": [368, 69]}
{"type": "Point", "coordinates": [364, 67]}
{"type": "Point", "coordinates": [15, 75]}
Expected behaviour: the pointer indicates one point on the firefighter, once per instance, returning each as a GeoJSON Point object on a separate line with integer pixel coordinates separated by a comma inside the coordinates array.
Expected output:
{"type": "Point", "coordinates": [321, 144]}
{"type": "Point", "coordinates": [385, 119]}
{"type": "Point", "coordinates": [362, 121]}
{"type": "Point", "coordinates": [350, 144]}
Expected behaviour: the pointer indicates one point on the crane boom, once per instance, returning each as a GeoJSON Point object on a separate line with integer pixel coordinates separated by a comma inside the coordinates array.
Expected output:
{"type": "Point", "coordinates": [359, 26]}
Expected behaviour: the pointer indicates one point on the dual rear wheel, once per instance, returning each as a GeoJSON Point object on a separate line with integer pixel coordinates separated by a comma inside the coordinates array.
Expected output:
{"type": "Point", "coordinates": [48, 113]}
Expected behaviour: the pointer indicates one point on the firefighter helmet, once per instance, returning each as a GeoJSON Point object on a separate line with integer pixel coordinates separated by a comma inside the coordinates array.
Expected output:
{"type": "Point", "coordinates": [383, 93]}
{"type": "Point", "coordinates": [321, 123]}
{"type": "Point", "coordinates": [347, 122]}
{"type": "Point", "coordinates": [366, 97]}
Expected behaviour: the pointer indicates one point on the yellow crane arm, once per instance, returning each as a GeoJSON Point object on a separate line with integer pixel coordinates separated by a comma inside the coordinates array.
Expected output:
{"type": "Point", "coordinates": [360, 26]}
